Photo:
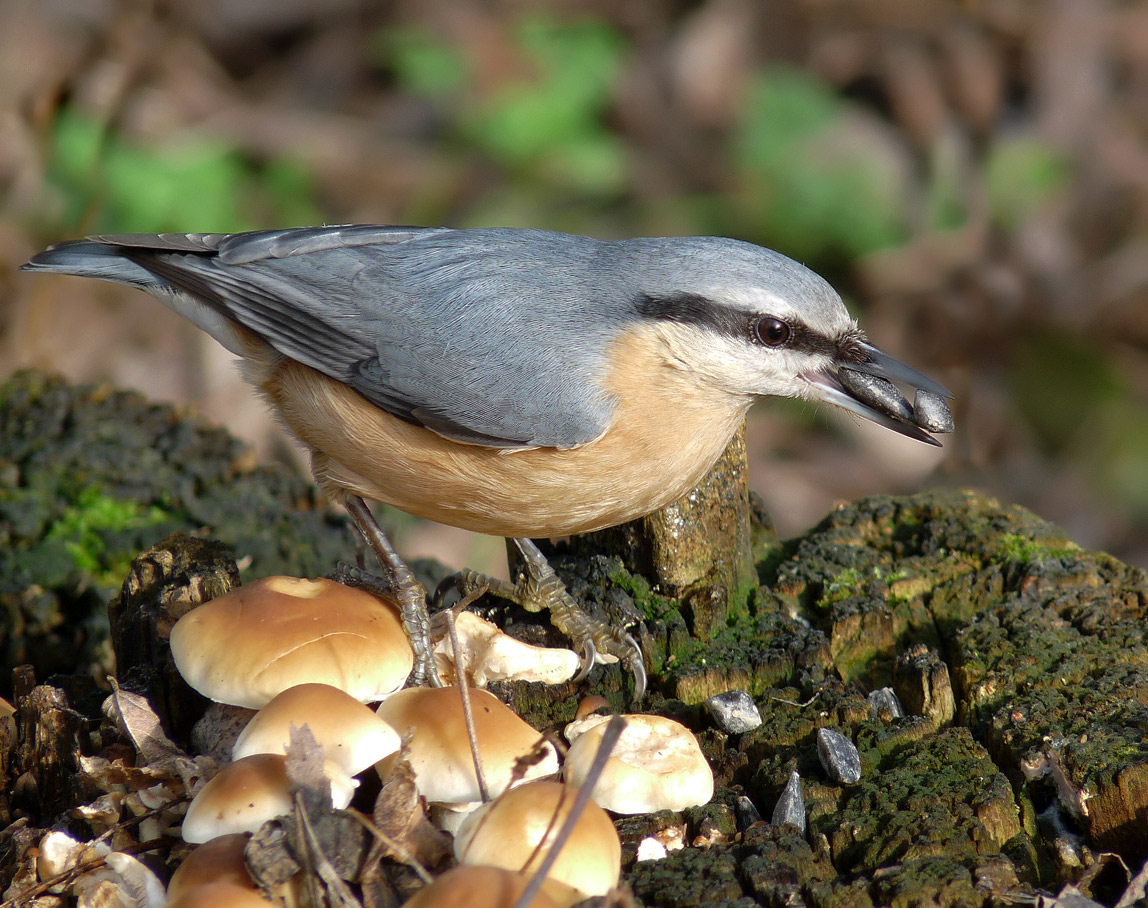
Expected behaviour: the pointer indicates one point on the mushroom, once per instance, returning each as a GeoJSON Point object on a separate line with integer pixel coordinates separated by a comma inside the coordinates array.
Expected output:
{"type": "Point", "coordinates": [656, 765]}
{"type": "Point", "coordinates": [489, 654]}
{"type": "Point", "coordinates": [479, 887]}
{"type": "Point", "coordinates": [515, 831]}
{"type": "Point", "coordinates": [256, 641]}
{"type": "Point", "coordinates": [439, 749]}
{"type": "Point", "coordinates": [218, 895]}
{"type": "Point", "coordinates": [8, 715]}
{"type": "Point", "coordinates": [220, 860]}
{"type": "Point", "coordinates": [249, 792]}
{"type": "Point", "coordinates": [350, 733]}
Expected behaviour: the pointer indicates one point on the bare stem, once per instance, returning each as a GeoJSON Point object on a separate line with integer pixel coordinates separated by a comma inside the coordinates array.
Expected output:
{"type": "Point", "coordinates": [464, 691]}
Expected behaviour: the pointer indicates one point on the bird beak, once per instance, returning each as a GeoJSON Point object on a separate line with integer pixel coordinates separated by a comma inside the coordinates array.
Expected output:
{"type": "Point", "coordinates": [864, 384]}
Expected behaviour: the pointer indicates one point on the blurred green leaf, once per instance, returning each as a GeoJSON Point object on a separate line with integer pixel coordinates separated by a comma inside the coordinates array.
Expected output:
{"type": "Point", "coordinates": [187, 185]}
{"type": "Point", "coordinates": [807, 188]}
{"type": "Point", "coordinates": [422, 64]}
{"type": "Point", "coordinates": [1021, 174]}
{"type": "Point", "coordinates": [552, 124]}
{"type": "Point", "coordinates": [946, 192]}
{"type": "Point", "coordinates": [784, 107]}
{"type": "Point", "coordinates": [1060, 383]}
{"type": "Point", "coordinates": [283, 194]}
{"type": "Point", "coordinates": [107, 184]}
{"type": "Point", "coordinates": [547, 127]}
{"type": "Point", "coordinates": [1122, 456]}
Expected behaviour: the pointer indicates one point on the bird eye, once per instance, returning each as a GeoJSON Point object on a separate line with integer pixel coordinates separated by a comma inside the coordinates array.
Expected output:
{"type": "Point", "coordinates": [770, 331]}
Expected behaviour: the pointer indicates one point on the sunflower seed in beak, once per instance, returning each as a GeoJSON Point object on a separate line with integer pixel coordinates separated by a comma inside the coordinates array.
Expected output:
{"type": "Point", "coordinates": [879, 393]}
{"type": "Point", "coordinates": [931, 412]}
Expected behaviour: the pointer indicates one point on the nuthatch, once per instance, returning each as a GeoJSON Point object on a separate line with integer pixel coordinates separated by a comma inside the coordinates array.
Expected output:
{"type": "Point", "coordinates": [514, 382]}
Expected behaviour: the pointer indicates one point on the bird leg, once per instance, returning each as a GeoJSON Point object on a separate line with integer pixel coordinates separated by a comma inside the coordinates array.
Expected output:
{"type": "Point", "coordinates": [538, 587]}
{"type": "Point", "coordinates": [399, 584]}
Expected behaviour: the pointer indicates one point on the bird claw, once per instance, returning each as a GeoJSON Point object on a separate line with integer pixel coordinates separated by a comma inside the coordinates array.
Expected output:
{"type": "Point", "coordinates": [540, 588]}
{"type": "Point", "coordinates": [589, 657]}
{"type": "Point", "coordinates": [635, 662]}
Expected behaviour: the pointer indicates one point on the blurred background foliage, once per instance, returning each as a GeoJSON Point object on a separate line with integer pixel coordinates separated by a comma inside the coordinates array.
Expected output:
{"type": "Point", "coordinates": [973, 176]}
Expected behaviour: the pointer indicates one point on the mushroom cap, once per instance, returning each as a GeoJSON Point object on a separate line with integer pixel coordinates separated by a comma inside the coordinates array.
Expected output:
{"type": "Point", "coordinates": [241, 798]}
{"type": "Point", "coordinates": [508, 831]}
{"type": "Point", "coordinates": [439, 751]}
{"type": "Point", "coordinates": [479, 887]}
{"type": "Point", "coordinates": [218, 895]}
{"type": "Point", "coordinates": [656, 765]}
{"type": "Point", "coordinates": [8, 715]}
{"type": "Point", "coordinates": [220, 860]}
{"type": "Point", "coordinates": [256, 641]}
{"type": "Point", "coordinates": [492, 655]}
{"type": "Point", "coordinates": [247, 793]}
{"type": "Point", "coordinates": [350, 733]}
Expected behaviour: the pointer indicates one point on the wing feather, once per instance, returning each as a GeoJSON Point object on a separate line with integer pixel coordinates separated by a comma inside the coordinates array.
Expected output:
{"type": "Point", "coordinates": [491, 337]}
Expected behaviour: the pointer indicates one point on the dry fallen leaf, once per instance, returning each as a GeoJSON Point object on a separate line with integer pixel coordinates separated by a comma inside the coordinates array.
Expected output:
{"type": "Point", "coordinates": [400, 815]}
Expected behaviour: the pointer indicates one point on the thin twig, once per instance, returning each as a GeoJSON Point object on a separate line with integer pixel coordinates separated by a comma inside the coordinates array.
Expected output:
{"type": "Point", "coordinates": [549, 827]}
{"type": "Point", "coordinates": [405, 856]}
{"type": "Point", "coordinates": [335, 885]}
{"type": "Point", "coordinates": [804, 705]}
{"type": "Point", "coordinates": [303, 852]}
{"type": "Point", "coordinates": [614, 729]}
{"type": "Point", "coordinates": [464, 691]}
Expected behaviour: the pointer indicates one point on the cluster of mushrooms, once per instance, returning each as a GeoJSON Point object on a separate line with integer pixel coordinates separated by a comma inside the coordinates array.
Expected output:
{"type": "Point", "coordinates": [316, 652]}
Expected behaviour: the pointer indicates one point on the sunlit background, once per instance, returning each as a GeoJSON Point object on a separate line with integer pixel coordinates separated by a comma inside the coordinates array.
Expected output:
{"type": "Point", "coordinates": [972, 176]}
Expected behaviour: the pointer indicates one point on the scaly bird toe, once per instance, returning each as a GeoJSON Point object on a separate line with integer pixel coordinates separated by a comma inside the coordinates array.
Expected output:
{"type": "Point", "coordinates": [412, 605]}
{"type": "Point", "coordinates": [540, 587]}
{"type": "Point", "coordinates": [537, 588]}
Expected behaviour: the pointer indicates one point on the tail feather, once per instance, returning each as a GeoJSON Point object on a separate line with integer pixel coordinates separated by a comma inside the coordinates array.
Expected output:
{"type": "Point", "coordinates": [85, 258]}
{"type": "Point", "coordinates": [108, 262]}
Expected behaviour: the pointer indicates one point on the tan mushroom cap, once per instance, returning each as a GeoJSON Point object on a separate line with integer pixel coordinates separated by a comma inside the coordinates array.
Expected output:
{"type": "Point", "coordinates": [478, 887]}
{"type": "Point", "coordinates": [218, 895]}
{"type": "Point", "coordinates": [247, 793]}
{"type": "Point", "coordinates": [350, 733]}
{"type": "Point", "coordinates": [8, 714]}
{"type": "Point", "coordinates": [439, 750]}
{"type": "Point", "coordinates": [508, 831]}
{"type": "Point", "coordinates": [241, 798]}
{"type": "Point", "coordinates": [657, 764]}
{"type": "Point", "coordinates": [219, 860]}
{"type": "Point", "coordinates": [256, 641]}
{"type": "Point", "coordinates": [490, 654]}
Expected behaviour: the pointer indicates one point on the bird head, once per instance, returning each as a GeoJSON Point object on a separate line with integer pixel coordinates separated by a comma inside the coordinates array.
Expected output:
{"type": "Point", "coordinates": [754, 323]}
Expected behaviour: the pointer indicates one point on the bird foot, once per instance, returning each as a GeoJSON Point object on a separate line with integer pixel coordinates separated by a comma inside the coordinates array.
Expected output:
{"type": "Point", "coordinates": [538, 587]}
{"type": "Point", "coordinates": [412, 604]}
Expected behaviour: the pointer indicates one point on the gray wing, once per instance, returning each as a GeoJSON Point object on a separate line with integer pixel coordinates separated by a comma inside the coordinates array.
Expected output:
{"type": "Point", "coordinates": [491, 337]}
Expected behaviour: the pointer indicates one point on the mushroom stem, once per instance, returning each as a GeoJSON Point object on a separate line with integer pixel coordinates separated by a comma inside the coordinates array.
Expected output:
{"type": "Point", "coordinates": [610, 736]}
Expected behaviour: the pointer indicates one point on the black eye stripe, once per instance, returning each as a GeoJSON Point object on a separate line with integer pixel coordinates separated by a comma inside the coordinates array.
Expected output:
{"type": "Point", "coordinates": [694, 309]}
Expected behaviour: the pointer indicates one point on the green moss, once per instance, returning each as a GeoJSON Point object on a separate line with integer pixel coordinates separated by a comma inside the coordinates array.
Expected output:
{"type": "Point", "coordinates": [841, 586]}
{"type": "Point", "coordinates": [85, 526]}
{"type": "Point", "coordinates": [1015, 547]}
{"type": "Point", "coordinates": [637, 586]}
{"type": "Point", "coordinates": [90, 477]}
